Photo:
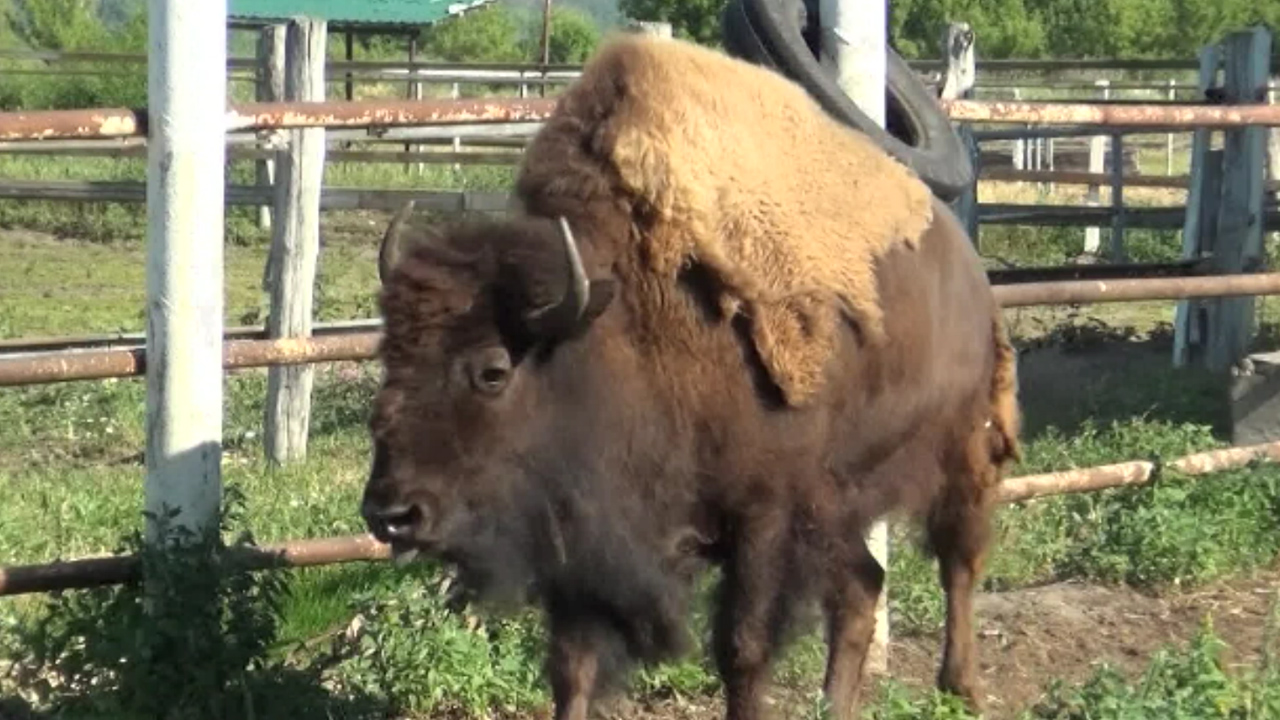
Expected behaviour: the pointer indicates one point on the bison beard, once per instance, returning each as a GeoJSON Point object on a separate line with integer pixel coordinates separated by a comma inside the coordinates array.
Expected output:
{"type": "Point", "coordinates": [557, 542]}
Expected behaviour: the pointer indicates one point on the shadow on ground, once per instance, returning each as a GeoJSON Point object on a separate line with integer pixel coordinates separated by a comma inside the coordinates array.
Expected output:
{"type": "Point", "coordinates": [1065, 385]}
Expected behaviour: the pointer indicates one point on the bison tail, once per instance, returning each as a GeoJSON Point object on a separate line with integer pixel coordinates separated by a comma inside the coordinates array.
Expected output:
{"type": "Point", "coordinates": [1006, 417]}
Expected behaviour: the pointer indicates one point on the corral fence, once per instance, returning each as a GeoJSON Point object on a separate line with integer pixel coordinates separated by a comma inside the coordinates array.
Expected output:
{"type": "Point", "coordinates": [1048, 157]}
{"type": "Point", "coordinates": [186, 131]}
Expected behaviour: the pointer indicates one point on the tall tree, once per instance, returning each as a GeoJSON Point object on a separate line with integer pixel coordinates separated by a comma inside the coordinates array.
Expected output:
{"type": "Point", "coordinates": [696, 20]}
{"type": "Point", "coordinates": [1005, 28]}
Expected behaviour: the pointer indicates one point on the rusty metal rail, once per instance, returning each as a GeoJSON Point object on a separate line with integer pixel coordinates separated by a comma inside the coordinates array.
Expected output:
{"type": "Point", "coordinates": [101, 364]}
{"type": "Point", "coordinates": [1070, 292]}
{"type": "Point", "coordinates": [236, 354]}
{"type": "Point", "coordinates": [1164, 115]}
{"type": "Point", "coordinates": [130, 340]}
{"type": "Point", "coordinates": [114, 570]}
{"type": "Point", "coordinates": [126, 122]}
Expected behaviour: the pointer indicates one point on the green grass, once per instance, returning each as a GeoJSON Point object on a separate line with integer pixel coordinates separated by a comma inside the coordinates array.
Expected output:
{"type": "Point", "coordinates": [78, 288]}
{"type": "Point", "coordinates": [371, 639]}
{"type": "Point", "coordinates": [72, 486]}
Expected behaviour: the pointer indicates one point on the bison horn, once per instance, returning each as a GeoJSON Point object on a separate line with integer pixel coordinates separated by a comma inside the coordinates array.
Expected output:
{"type": "Point", "coordinates": [570, 309]}
{"type": "Point", "coordinates": [390, 251]}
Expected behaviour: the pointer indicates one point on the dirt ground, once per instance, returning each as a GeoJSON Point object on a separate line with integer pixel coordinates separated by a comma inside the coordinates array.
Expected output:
{"type": "Point", "coordinates": [1031, 636]}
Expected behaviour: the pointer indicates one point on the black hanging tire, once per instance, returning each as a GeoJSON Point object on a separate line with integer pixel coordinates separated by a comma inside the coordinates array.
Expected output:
{"type": "Point", "coordinates": [782, 35]}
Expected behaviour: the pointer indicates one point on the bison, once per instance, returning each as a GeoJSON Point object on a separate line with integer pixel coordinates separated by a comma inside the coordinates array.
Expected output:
{"type": "Point", "coordinates": [571, 420]}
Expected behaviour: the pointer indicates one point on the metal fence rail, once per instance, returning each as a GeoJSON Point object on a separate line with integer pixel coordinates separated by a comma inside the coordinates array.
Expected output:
{"type": "Point", "coordinates": [114, 570]}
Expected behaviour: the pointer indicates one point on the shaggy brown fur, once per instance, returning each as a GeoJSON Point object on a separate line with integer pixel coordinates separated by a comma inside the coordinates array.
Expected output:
{"type": "Point", "coordinates": [694, 138]}
{"type": "Point", "coordinates": [587, 466]}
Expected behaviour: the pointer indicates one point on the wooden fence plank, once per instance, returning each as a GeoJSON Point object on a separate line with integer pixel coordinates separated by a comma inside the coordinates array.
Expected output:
{"type": "Point", "coordinates": [270, 88]}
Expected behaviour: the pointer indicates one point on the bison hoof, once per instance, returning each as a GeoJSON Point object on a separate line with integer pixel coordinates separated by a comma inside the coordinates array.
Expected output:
{"type": "Point", "coordinates": [963, 686]}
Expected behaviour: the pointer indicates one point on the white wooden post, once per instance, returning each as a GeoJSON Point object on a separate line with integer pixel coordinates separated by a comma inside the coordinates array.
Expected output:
{"type": "Point", "coordinates": [1019, 156]}
{"type": "Point", "coordinates": [958, 51]}
{"type": "Point", "coordinates": [854, 46]}
{"type": "Point", "coordinates": [1273, 153]}
{"type": "Point", "coordinates": [186, 150]}
{"type": "Point", "coordinates": [455, 93]}
{"type": "Point", "coordinates": [295, 246]}
{"type": "Point", "coordinates": [1093, 196]}
{"type": "Point", "coordinates": [1168, 138]}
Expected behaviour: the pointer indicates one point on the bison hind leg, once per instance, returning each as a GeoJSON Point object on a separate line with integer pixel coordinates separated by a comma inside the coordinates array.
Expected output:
{"type": "Point", "coordinates": [958, 530]}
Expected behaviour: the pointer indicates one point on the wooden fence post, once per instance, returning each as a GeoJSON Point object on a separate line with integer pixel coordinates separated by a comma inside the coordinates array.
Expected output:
{"type": "Point", "coordinates": [854, 44]}
{"type": "Point", "coordinates": [270, 89]}
{"type": "Point", "coordinates": [186, 152]}
{"type": "Point", "coordinates": [414, 92]}
{"type": "Point", "coordinates": [295, 246]}
{"type": "Point", "coordinates": [1238, 245]}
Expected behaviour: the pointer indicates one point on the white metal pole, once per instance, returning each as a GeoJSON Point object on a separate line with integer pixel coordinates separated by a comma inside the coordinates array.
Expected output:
{"type": "Point", "coordinates": [854, 46]}
{"type": "Point", "coordinates": [187, 107]}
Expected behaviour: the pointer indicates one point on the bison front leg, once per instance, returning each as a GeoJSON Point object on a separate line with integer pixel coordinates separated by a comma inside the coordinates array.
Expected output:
{"type": "Point", "coordinates": [851, 607]}
{"type": "Point", "coordinates": [573, 663]}
{"type": "Point", "coordinates": [745, 631]}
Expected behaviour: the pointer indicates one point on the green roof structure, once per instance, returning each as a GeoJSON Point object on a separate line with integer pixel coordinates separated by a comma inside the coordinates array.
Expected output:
{"type": "Point", "coordinates": [352, 12]}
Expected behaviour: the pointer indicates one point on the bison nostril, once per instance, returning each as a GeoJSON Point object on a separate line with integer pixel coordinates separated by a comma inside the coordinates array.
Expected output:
{"type": "Point", "coordinates": [398, 522]}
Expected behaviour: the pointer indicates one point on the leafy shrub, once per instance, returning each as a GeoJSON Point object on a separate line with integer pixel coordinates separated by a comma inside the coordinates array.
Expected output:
{"type": "Point", "coordinates": [406, 646]}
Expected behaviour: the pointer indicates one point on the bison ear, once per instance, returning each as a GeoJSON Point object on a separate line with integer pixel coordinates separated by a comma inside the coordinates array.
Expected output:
{"type": "Point", "coordinates": [583, 300]}
{"type": "Point", "coordinates": [599, 294]}
{"type": "Point", "coordinates": [602, 292]}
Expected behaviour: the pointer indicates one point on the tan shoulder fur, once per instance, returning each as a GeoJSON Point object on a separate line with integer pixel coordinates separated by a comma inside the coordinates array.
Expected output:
{"type": "Point", "coordinates": [743, 172]}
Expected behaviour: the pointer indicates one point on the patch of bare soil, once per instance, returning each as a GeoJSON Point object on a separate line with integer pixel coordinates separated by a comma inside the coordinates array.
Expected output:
{"type": "Point", "coordinates": [1029, 637]}
{"type": "Point", "coordinates": [1032, 636]}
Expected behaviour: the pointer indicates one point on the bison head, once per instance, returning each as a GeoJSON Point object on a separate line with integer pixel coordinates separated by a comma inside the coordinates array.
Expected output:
{"type": "Point", "coordinates": [475, 325]}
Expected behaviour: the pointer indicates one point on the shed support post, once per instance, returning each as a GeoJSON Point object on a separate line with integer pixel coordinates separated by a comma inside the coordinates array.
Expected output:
{"type": "Point", "coordinates": [1202, 200]}
{"type": "Point", "coordinates": [186, 150]}
{"type": "Point", "coordinates": [270, 89]}
{"type": "Point", "coordinates": [1117, 199]}
{"type": "Point", "coordinates": [1238, 247]}
{"type": "Point", "coordinates": [295, 246]}
{"type": "Point", "coordinates": [854, 45]}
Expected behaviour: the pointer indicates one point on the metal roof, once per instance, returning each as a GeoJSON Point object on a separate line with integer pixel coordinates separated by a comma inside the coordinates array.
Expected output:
{"type": "Point", "coordinates": [379, 12]}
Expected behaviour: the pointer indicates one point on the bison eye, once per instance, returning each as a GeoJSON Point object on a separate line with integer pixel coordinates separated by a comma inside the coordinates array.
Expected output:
{"type": "Point", "coordinates": [490, 370]}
